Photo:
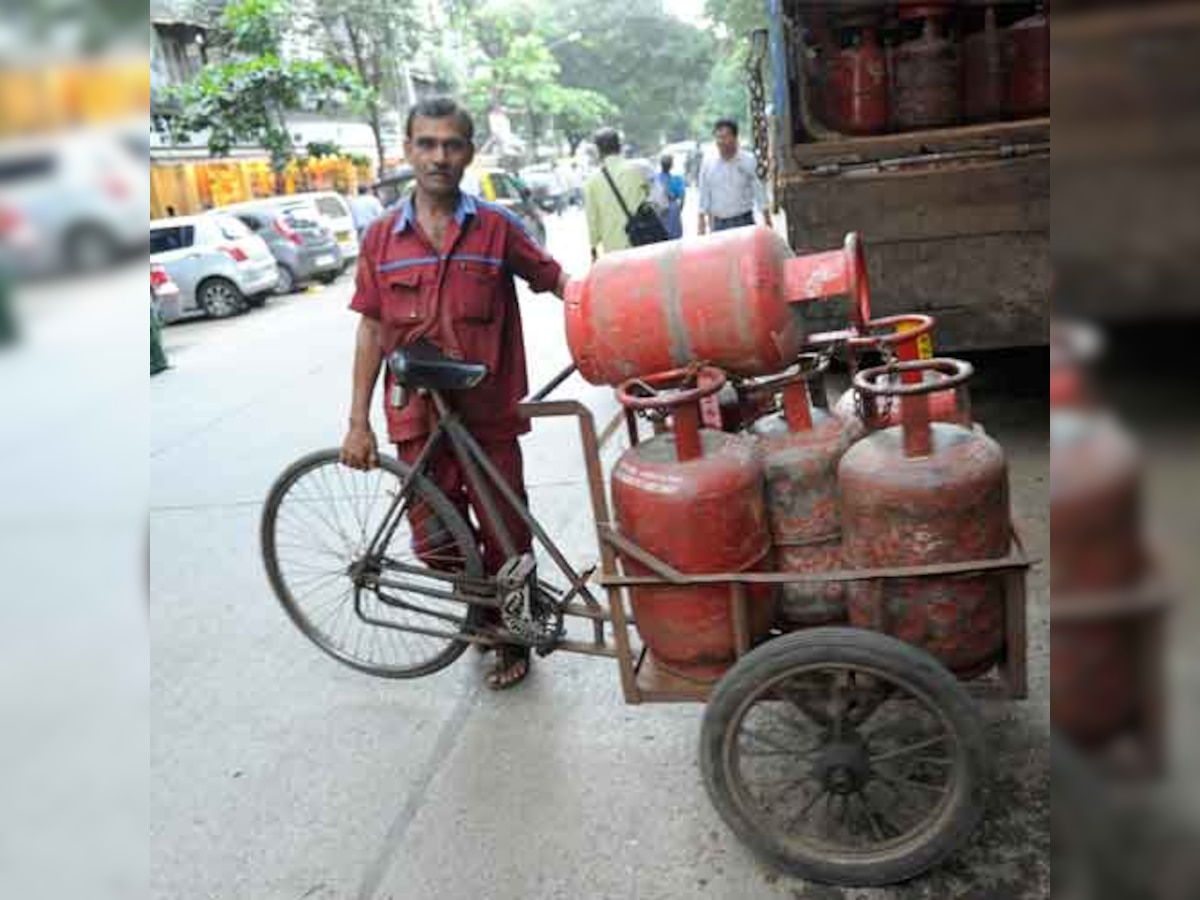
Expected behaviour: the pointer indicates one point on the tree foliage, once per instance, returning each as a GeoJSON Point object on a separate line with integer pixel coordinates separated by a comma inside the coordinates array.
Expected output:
{"type": "Point", "coordinates": [371, 38]}
{"type": "Point", "coordinates": [244, 99]}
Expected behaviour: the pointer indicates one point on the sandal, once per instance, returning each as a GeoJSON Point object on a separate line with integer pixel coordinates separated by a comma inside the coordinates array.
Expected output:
{"type": "Point", "coordinates": [512, 667]}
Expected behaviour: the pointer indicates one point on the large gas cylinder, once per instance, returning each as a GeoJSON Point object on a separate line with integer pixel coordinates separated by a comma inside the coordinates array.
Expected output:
{"type": "Point", "coordinates": [927, 492]}
{"type": "Point", "coordinates": [904, 338]}
{"type": "Point", "coordinates": [1029, 67]}
{"type": "Point", "coordinates": [734, 299]}
{"type": "Point", "coordinates": [801, 448]}
{"type": "Point", "coordinates": [984, 69]}
{"type": "Point", "coordinates": [927, 60]}
{"type": "Point", "coordinates": [857, 85]}
{"type": "Point", "coordinates": [693, 498]}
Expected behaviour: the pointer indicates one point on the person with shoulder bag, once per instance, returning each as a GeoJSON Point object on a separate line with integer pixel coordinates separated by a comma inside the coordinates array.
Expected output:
{"type": "Point", "coordinates": [616, 198]}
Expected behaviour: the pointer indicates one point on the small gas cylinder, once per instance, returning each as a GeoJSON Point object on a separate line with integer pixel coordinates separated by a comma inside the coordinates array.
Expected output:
{"type": "Point", "coordinates": [857, 85]}
{"type": "Point", "coordinates": [906, 338]}
{"type": "Point", "coordinates": [927, 492]}
{"type": "Point", "coordinates": [927, 60]}
{"type": "Point", "coordinates": [1029, 67]}
{"type": "Point", "coordinates": [984, 70]}
{"type": "Point", "coordinates": [734, 299]}
{"type": "Point", "coordinates": [801, 448]}
{"type": "Point", "coordinates": [693, 498]}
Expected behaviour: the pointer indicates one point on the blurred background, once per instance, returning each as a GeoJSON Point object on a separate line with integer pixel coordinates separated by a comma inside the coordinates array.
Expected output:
{"type": "Point", "coordinates": [112, 115]}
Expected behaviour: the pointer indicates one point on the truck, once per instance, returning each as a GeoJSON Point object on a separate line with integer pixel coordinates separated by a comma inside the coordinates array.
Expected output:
{"type": "Point", "coordinates": [906, 122]}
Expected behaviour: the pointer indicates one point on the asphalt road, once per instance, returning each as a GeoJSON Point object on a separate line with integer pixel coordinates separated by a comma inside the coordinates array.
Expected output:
{"type": "Point", "coordinates": [278, 775]}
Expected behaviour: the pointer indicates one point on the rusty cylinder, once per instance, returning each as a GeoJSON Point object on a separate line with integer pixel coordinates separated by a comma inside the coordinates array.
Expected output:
{"type": "Point", "coordinates": [926, 492]}
{"type": "Point", "coordinates": [857, 81]}
{"type": "Point", "coordinates": [734, 299]}
{"type": "Point", "coordinates": [984, 70]}
{"type": "Point", "coordinates": [927, 60]}
{"type": "Point", "coordinates": [693, 498]}
{"type": "Point", "coordinates": [801, 448]}
{"type": "Point", "coordinates": [1029, 68]}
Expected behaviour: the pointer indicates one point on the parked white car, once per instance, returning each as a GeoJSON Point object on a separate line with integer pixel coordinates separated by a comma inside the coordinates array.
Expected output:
{"type": "Point", "coordinates": [333, 207]}
{"type": "Point", "coordinates": [221, 267]}
{"type": "Point", "coordinates": [71, 205]}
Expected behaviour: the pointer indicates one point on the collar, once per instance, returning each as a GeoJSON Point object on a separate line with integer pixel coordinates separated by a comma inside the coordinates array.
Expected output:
{"type": "Point", "coordinates": [466, 207]}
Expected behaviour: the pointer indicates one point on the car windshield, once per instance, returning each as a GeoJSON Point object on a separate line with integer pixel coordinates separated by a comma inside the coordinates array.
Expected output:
{"type": "Point", "coordinates": [332, 207]}
{"type": "Point", "coordinates": [305, 216]}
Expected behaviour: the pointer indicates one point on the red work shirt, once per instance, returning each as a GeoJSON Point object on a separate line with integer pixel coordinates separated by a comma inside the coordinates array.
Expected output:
{"type": "Point", "coordinates": [461, 299]}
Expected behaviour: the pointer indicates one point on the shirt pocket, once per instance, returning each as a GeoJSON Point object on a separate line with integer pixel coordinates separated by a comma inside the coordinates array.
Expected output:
{"type": "Point", "coordinates": [404, 297]}
{"type": "Point", "coordinates": [476, 303]}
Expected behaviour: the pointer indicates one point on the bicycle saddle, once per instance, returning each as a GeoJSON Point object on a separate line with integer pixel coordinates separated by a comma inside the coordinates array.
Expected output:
{"type": "Point", "coordinates": [422, 365]}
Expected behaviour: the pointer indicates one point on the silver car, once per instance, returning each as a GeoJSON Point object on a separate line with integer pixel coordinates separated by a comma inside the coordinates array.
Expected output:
{"type": "Point", "coordinates": [300, 238]}
{"type": "Point", "coordinates": [221, 267]}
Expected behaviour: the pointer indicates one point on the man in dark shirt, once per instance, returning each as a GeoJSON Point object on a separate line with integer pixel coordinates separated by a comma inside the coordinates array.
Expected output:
{"type": "Point", "coordinates": [440, 268]}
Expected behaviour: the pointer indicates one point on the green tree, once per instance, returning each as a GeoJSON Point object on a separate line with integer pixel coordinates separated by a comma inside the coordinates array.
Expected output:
{"type": "Point", "coordinates": [371, 38]}
{"type": "Point", "coordinates": [245, 98]}
{"type": "Point", "coordinates": [652, 67]}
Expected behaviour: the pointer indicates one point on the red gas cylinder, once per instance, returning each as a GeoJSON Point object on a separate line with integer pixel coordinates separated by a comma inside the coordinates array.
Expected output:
{"type": "Point", "coordinates": [1096, 549]}
{"type": "Point", "coordinates": [906, 338]}
{"type": "Point", "coordinates": [801, 448]}
{"type": "Point", "coordinates": [927, 60]}
{"type": "Point", "coordinates": [927, 492]}
{"type": "Point", "coordinates": [733, 299]}
{"type": "Point", "coordinates": [1029, 67]}
{"type": "Point", "coordinates": [693, 498]}
{"type": "Point", "coordinates": [984, 69]}
{"type": "Point", "coordinates": [857, 86]}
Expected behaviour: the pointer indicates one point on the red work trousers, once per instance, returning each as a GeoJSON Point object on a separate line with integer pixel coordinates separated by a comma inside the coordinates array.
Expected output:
{"type": "Point", "coordinates": [445, 471]}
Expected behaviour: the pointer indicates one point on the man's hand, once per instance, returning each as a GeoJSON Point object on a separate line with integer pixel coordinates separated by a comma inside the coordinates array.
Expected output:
{"type": "Point", "coordinates": [560, 289]}
{"type": "Point", "coordinates": [359, 450]}
{"type": "Point", "coordinates": [767, 219]}
{"type": "Point", "coordinates": [702, 225]}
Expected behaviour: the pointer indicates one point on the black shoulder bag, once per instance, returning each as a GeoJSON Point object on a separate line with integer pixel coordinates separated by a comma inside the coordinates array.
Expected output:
{"type": "Point", "coordinates": [644, 226]}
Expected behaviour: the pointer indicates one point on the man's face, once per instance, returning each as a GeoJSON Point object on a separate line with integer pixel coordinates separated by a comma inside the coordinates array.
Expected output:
{"type": "Point", "coordinates": [726, 141]}
{"type": "Point", "coordinates": [439, 153]}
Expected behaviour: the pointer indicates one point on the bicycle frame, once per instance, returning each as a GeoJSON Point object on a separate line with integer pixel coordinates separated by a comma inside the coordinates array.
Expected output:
{"type": "Point", "coordinates": [376, 570]}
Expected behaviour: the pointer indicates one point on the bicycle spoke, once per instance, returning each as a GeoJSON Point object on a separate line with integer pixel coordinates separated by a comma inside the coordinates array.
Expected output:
{"type": "Point", "coordinates": [912, 748]}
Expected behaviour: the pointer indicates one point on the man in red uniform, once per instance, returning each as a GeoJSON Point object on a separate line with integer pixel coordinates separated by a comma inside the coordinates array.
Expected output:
{"type": "Point", "coordinates": [440, 268]}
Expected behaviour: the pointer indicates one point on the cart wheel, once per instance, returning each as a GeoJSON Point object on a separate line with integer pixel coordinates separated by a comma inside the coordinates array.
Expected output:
{"type": "Point", "coordinates": [845, 756]}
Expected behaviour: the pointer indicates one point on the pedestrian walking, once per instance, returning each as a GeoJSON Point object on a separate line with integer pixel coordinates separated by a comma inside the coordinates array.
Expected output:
{"type": "Point", "coordinates": [439, 268]}
{"type": "Point", "coordinates": [615, 199]}
{"type": "Point", "coordinates": [365, 208]}
{"type": "Point", "coordinates": [667, 195]}
{"type": "Point", "coordinates": [730, 189]}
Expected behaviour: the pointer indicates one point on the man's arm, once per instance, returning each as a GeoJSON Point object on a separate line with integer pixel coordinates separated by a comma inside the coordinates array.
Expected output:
{"type": "Point", "coordinates": [525, 257]}
{"type": "Point", "coordinates": [760, 190]}
{"type": "Point", "coordinates": [705, 201]}
{"type": "Point", "coordinates": [359, 449]}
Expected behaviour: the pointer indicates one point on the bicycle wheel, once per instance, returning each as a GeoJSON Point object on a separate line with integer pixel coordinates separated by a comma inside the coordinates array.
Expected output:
{"type": "Point", "coordinates": [844, 756]}
{"type": "Point", "coordinates": [319, 519]}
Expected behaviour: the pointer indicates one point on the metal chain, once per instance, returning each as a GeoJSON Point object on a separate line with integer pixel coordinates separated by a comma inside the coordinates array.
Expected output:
{"type": "Point", "coordinates": [758, 103]}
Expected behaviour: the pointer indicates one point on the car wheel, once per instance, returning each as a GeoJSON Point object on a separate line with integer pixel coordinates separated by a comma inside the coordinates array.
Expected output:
{"type": "Point", "coordinates": [220, 298]}
{"type": "Point", "coordinates": [287, 280]}
{"type": "Point", "coordinates": [257, 301]}
{"type": "Point", "coordinates": [89, 248]}
{"type": "Point", "coordinates": [329, 277]}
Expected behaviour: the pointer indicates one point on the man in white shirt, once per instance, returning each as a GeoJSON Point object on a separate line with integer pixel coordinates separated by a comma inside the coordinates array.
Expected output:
{"type": "Point", "coordinates": [730, 190]}
{"type": "Point", "coordinates": [364, 209]}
